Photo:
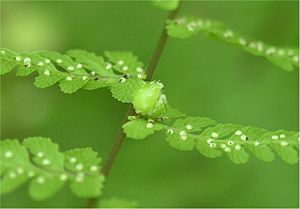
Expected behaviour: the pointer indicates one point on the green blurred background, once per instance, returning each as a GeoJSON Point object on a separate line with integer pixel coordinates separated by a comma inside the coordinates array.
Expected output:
{"type": "Point", "coordinates": [201, 77]}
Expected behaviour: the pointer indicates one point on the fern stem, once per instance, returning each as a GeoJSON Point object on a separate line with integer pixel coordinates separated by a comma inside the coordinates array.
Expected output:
{"type": "Point", "coordinates": [121, 135]}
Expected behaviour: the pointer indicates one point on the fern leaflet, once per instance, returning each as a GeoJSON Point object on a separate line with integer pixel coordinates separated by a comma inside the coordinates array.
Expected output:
{"type": "Point", "coordinates": [76, 70]}
{"type": "Point", "coordinates": [212, 139]}
{"type": "Point", "coordinates": [184, 27]}
{"type": "Point", "coordinates": [39, 161]}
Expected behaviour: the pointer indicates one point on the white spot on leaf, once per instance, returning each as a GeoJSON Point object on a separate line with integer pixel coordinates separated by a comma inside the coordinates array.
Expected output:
{"type": "Point", "coordinates": [73, 160]}
{"type": "Point", "coordinates": [227, 149]}
{"type": "Point", "coordinates": [69, 78]}
{"type": "Point", "coordinates": [8, 154]}
{"type": "Point", "coordinates": [139, 70]}
{"type": "Point", "coordinates": [40, 180]}
{"type": "Point", "coordinates": [284, 143]}
{"type": "Point", "coordinates": [108, 66]}
{"type": "Point", "coordinates": [79, 65]}
{"type": "Point", "coordinates": [214, 135]}
{"type": "Point", "coordinates": [20, 170]}
{"type": "Point", "coordinates": [47, 61]}
{"type": "Point", "coordinates": [85, 78]}
{"type": "Point", "coordinates": [71, 68]}
{"type": "Point", "coordinates": [213, 145]}
{"type": "Point", "coordinates": [30, 174]}
{"type": "Point", "coordinates": [243, 137]}
{"type": "Point", "coordinates": [125, 68]}
{"type": "Point", "coordinates": [189, 127]}
{"type": "Point", "coordinates": [120, 62]}
{"type": "Point", "coordinates": [281, 136]}
{"type": "Point", "coordinates": [237, 147]}
{"type": "Point", "coordinates": [149, 125]}
{"type": "Point", "coordinates": [40, 154]}
{"type": "Point", "coordinates": [94, 168]}
{"type": "Point", "coordinates": [46, 162]}
{"type": "Point", "coordinates": [12, 175]}
{"type": "Point", "coordinates": [79, 167]}
{"type": "Point", "coordinates": [238, 132]}
{"type": "Point", "coordinates": [63, 177]}
{"type": "Point", "coordinates": [256, 143]}
{"type": "Point", "coordinates": [209, 141]}
{"type": "Point", "coordinates": [170, 131]}
{"type": "Point", "coordinates": [47, 72]}
{"type": "Point", "coordinates": [40, 64]}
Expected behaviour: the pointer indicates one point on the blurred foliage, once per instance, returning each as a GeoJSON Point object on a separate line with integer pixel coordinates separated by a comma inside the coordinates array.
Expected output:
{"type": "Point", "coordinates": [223, 83]}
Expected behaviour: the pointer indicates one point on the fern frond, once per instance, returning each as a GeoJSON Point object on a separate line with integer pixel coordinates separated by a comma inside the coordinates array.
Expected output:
{"type": "Point", "coordinates": [80, 69]}
{"type": "Point", "coordinates": [212, 139]}
{"type": "Point", "coordinates": [184, 27]}
{"type": "Point", "coordinates": [39, 161]}
{"type": "Point", "coordinates": [75, 70]}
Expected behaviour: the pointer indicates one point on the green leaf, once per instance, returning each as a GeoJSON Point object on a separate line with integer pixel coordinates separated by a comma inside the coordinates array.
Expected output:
{"type": "Point", "coordinates": [234, 140]}
{"type": "Point", "coordinates": [82, 159]}
{"type": "Point", "coordinates": [91, 62]}
{"type": "Point", "coordinates": [193, 124]}
{"type": "Point", "coordinates": [72, 84]}
{"type": "Point", "coordinates": [53, 67]}
{"type": "Point", "coordinates": [125, 62]}
{"type": "Point", "coordinates": [61, 60]}
{"type": "Point", "coordinates": [6, 66]}
{"type": "Point", "coordinates": [12, 180]}
{"type": "Point", "coordinates": [14, 163]}
{"type": "Point", "coordinates": [208, 139]}
{"type": "Point", "coordinates": [13, 153]}
{"type": "Point", "coordinates": [43, 81]}
{"type": "Point", "coordinates": [204, 148]}
{"type": "Point", "coordinates": [166, 4]}
{"type": "Point", "coordinates": [219, 131]}
{"type": "Point", "coordinates": [283, 143]}
{"type": "Point", "coordinates": [48, 76]}
{"type": "Point", "coordinates": [8, 53]}
{"type": "Point", "coordinates": [238, 156]}
{"type": "Point", "coordinates": [286, 153]}
{"type": "Point", "coordinates": [45, 152]}
{"type": "Point", "coordinates": [96, 84]}
{"type": "Point", "coordinates": [48, 169]}
{"type": "Point", "coordinates": [262, 152]}
{"type": "Point", "coordinates": [173, 113]}
{"type": "Point", "coordinates": [140, 129]}
{"type": "Point", "coordinates": [181, 143]}
{"type": "Point", "coordinates": [123, 91]}
{"type": "Point", "coordinates": [184, 27]}
{"type": "Point", "coordinates": [90, 186]}
{"type": "Point", "coordinates": [43, 187]}
{"type": "Point", "coordinates": [117, 203]}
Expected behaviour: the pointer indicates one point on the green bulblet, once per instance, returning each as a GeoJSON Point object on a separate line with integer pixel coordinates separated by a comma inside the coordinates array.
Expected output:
{"type": "Point", "coordinates": [149, 100]}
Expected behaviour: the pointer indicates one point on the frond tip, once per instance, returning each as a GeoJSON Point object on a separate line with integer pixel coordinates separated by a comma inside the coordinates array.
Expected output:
{"type": "Point", "coordinates": [184, 27]}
